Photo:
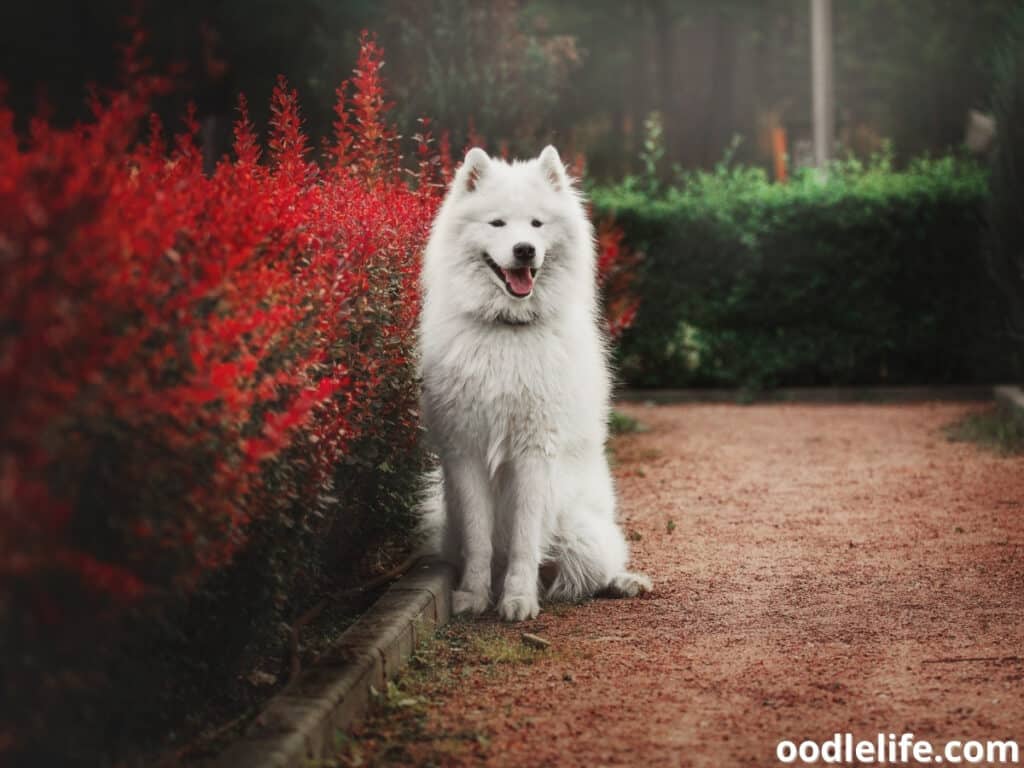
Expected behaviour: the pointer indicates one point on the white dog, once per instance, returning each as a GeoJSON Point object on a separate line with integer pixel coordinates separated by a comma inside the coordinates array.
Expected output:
{"type": "Point", "coordinates": [516, 390]}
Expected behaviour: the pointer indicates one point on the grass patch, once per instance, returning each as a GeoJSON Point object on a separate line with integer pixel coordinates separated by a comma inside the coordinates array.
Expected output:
{"type": "Point", "coordinates": [400, 729]}
{"type": "Point", "coordinates": [620, 423]}
{"type": "Point", "coordinates": [999, 428]}
{"type": "Point", "coordinates": [496, 647]}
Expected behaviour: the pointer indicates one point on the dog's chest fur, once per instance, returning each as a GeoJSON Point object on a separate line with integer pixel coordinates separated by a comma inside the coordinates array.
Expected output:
{"type": "Point", "coordinates": [510, 391]}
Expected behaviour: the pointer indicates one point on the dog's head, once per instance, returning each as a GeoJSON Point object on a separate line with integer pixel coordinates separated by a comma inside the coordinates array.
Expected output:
{"type": "Point", "coordinates": [512, 242]}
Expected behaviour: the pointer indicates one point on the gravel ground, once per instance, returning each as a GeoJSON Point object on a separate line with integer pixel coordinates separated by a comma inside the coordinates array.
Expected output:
{"type": "Point", "coordinates": [818, 569]}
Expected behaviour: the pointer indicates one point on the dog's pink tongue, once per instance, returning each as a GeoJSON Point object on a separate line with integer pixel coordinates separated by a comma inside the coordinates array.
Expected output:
{"type": "Point", "coordinates": [520, 280]}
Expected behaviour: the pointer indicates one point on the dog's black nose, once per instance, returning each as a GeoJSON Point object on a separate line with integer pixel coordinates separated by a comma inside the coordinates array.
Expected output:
{"type": "Point", "coordinates": [524, 252]}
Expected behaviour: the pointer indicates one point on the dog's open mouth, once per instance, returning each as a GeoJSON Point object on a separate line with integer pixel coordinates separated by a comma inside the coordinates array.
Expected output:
{"type": "Point", "coordinates": [518, 282]}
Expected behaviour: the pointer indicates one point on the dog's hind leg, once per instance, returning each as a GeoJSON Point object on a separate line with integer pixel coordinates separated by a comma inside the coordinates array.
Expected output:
{"type": "Point", "coordinates": [590, 555]}
{"type": "Point", "coordinates": [627, 584]}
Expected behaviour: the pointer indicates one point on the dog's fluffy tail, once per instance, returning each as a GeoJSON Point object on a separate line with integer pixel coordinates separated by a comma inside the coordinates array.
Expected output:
{"type": "Point", "coordinates": [431, 515]}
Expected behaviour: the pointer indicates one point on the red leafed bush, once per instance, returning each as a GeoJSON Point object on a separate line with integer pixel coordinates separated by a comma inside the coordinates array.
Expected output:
{"type": "Point", "coordinates": [616, 273]}
{"type": "Point", "coordinates": [184, 357]}
{"type": "Point", "coordinates": [176, 335]}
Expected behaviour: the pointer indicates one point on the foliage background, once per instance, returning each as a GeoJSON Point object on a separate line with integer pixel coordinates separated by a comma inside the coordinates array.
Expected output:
{"type": "Point", "coordinates": [583, 74]}
{"type": "Point", "coordinates": [874, 276]}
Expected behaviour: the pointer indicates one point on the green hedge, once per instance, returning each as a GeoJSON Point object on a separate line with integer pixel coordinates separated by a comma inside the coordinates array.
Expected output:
{"type": "Point", "coordinates": [872, 276]}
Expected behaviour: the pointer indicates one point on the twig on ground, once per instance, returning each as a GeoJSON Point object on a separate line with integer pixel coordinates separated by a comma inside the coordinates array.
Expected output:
{"type": "Point", "coordinates": [535, 641]}
{"type": "Point", "coordinates": [959, 659]}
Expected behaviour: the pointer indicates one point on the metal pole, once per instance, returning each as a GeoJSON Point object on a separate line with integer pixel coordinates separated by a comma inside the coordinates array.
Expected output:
{"type": "Point", "coordinates": [821, 81]}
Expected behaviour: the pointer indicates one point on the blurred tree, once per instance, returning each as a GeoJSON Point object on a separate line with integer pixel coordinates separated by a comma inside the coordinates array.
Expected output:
{"type": "Point", "coordinates": [912, 68]}
{"type": "Point", "coordinates": [584, 73]}
{"type": "Point", "coordinates": [1006, 206]}
{"type": "Point", "coordinates": [904, 69]}
{"type": "Point", "coordinates": [51, 49]}
{"type": "Point", "coordinates": [480, 68]}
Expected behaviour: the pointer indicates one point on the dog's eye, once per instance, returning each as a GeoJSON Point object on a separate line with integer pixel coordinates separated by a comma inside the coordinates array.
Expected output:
{"type": "Point", "coordinates": [498, 223]}
{"type": "Point", "coordinates": [537, 223]}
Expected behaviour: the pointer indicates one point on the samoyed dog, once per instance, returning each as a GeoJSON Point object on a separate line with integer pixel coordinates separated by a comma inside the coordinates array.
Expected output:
{"type": "Point", "coordinates": [516, 391]}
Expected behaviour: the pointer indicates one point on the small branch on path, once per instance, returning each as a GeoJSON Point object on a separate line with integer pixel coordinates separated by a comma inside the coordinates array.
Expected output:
{"type": "Point", "coordinates": [960, 659]}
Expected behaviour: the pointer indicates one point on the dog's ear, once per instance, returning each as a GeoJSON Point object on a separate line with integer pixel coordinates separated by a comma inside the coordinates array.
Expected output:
{"type": "Point", "coordinates": [552, 168]}
{"type": "Point", "coordinates": [472, 170]}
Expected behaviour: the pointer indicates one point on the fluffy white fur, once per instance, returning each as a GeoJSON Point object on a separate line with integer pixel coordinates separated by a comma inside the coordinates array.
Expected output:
{"type": "Point", "coordinates": [516, 392]}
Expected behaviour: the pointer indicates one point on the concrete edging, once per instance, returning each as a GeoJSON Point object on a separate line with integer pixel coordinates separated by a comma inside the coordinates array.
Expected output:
{"type": "Point", "coordinates": [808, 395]}
{"type": "Point", "coordinates": [1010, 397]}
{"type": "Point", "coordinates": [299, 725]}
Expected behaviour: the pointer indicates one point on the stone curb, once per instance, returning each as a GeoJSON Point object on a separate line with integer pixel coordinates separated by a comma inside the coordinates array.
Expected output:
{"type": "Point", "coordinates": [1010, 397]}
{"type": "Point", "coordinates": [808, 395]}
{"type": "Point", "coordinates": [299, 726]}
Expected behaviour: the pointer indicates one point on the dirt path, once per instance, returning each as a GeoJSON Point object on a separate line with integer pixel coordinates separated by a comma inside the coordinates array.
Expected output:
{"type": "Point", "coordinates": [813, 566]}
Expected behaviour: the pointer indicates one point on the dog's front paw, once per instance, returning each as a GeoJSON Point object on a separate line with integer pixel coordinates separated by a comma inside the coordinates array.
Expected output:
{"type": "Point", "coordinates": [518, 607]}
{"type": "Point", "coordinates": [473, 603]}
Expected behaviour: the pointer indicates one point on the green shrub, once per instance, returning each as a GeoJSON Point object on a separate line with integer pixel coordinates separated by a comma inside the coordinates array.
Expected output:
{"type": "Point", "coordinates": [998, 428]}
{"type": "Point", "coordinates": [1006, 209]}
{"type": "Point", "coordinates": [870, 276]}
